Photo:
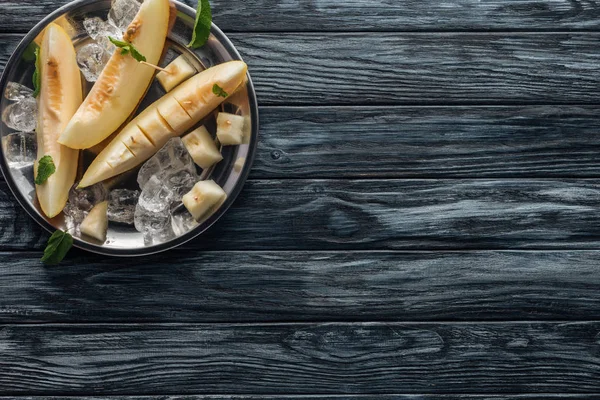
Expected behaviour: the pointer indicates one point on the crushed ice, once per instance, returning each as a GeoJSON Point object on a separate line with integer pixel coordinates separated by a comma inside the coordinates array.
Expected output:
{"type": "Point", "coordinates": [164, 179]}
{"type": "Point", "coordinates": [93, 57]}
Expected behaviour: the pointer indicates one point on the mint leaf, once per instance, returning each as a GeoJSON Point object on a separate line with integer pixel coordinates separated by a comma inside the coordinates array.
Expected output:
{"type": "Point", "coordinates": [202, 26]}
{"type": "Point", "coordinates": [117, 42]}
{"type": "Point", "coordinates": [29, 53]}
{"type": "Point", "coordinates": [46, 168]}
{"type": "Point", "coordinates": [127, 47]}
{"type": "Point", "coordinates": [136, 54]}
{"type": "Point", "coordinates": [218, 91]}
{"type": "Point", "coordinates": [37, 74]}
{"type": "Point", "coordinates": [57, 248]}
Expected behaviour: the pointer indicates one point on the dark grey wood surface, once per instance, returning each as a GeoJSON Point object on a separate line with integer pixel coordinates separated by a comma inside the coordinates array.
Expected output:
{"type": "Point", "coordinates": [215, 287]}
{"type": "Point", "coordinates": [361, 15]}
{"type": "Point", "coordinates": [421, 222]}
{"type": "Point", "coordinates": [384, 214]}
{"type": "Point", "coordinates": [326, 397]}
{"type": "Point", "coordinates": [297, 358]}
{"type": "Point", "coordinates": [416, 68]}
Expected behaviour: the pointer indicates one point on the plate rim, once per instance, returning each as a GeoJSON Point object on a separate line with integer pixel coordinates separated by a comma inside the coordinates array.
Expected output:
{"type": "Point", "coordinates": [180, 240]}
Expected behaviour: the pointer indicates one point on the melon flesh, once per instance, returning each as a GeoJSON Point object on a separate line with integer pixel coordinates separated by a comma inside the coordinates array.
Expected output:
{"type": "Point", "coordinates": [59, 98]}
{"type": "Point", "coordinates": [172, 115]}
{"type": "Point", "coordinates": [95, 223]}
{"type": "Point", "coordinates": [123, 81]}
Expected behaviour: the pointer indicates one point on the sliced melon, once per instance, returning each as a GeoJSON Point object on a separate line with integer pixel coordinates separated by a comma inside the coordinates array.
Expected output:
{"type": "Point", "coordinates": [176, 72]}
{"type": "Point", "coordinates": [172, 115]}
{"type": "Point", "coordinates": [59, 98]}
{"type": "Point", "coordinates": [202, 148]}
{"type": "Point", "coordinates": [95, 223]}
{"type": "Point", "coordinates": [204, 197]}
{"type": "Point", "coordinates": [156, 128]}
{"type": "Point", "coordinates": [230, 129]}
{"type": "Point", "coordinates": [123, 82]}
{"type": "Point", "coordinates": [239, 164]}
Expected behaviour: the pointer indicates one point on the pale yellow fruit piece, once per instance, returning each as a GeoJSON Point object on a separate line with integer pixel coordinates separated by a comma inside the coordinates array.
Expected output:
{"type": "Point", "coordinates": [64, 23]}
{"type": "Point", "coordinates": [196, 94]}
{"type": "Point", "coordinates": [230, 129]}
{"type": "Point", "coordinates": [176, 72]}
{"type": "Point", "coordinates": [204, 196]}
{"type": "Point", "coordinates": [165, 118]}
{"type": "Point", "coordinates": [125, 149]}
{"type": "Point", "coordinates": [95, 223]}
{"type": "Point", "coordinates": [239, 164]}
{"type": "Point", "coordinates": [201, 146]}
{"type": "Point", "coordinates": [136, 140]}
{"type": "Point", "coordinates": [59, 98]}
{"type": "Point", "coordinates": [174, 114]}
{"type": "Point", "coordinates": [123, 82]}
{"type": "Point", "coordinates": [156, 128]}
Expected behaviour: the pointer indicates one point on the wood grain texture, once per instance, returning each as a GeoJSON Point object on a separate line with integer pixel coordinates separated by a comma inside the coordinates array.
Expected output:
{"type": "Point", "coordinates": [411, 214]}
{"type": "Point", "coordinates": [427, 68]}
{"type": "Point", "coordinates": [417, 69]}
{"type": "Point", "coordinates": [428, 142]}
{"type": "Point", "coordinates": [384, 214]}
{"type": "Point", "coordinates": [276, 359]}
{"type": "Point", "coordinates": [362, 15]}
{"type": "Point", "coordinates": [302, 286]}
{"type": "Point", "coordinates": [326, 397]}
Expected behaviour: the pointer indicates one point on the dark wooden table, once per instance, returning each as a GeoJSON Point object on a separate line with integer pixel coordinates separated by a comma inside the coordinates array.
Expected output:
{"type": "Point", "coordinates": [422, 222]}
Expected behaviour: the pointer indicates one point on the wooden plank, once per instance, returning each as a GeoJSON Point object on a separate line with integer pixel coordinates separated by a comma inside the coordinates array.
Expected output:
{"type": "Point", "coordinates": [427, 68]}
{"type": "Point", "coordinates": [411, 214]}
{"type": "Point", "coordinates": [363, 15]}
{"type": "Point", "coordinates": [302, 286]}
{"type": "Point", "coordinates": [326, 397]}
{"type": "Point", "coordinates": [334, 358]}
{"type": "Point", "coordinates": [417, 69]}
{"type": "Point", "coordinates": [428, 142]}
{"type": "Point", "coordinates": [384, 214]}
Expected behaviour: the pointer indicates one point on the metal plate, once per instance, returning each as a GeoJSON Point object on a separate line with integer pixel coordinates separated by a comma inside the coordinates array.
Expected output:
{"type": "Point", "coordinates": [124, 240]}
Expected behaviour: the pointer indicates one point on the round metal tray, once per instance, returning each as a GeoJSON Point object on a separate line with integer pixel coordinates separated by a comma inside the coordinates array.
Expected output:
{"type": "Point", "coordinates": [124, 240]}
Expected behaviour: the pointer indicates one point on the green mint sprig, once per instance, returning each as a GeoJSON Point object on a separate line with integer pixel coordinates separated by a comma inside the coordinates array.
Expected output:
{"type": "Point", "coordinates": [37, 74]}
{"type": "Point", "coordinates": [202, 25]}
{"type": "Point", "coordinates": [128, 48]}
{"type": "Point", "coordinates": [46, 168]}
{"type": "Point", "coordinates": [57, 248]}
{"type": "Point", "coordinates": [218, 91]}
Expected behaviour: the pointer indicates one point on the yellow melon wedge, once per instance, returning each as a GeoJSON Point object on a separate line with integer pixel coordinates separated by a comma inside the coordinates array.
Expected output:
{"type": "Point", "coordinates": [172, 115]}
{"type": "Point", "coordinates": [123, 81]}
{"type": "Point", "coordinates": [59, 98]}
{"type": "Point", "coordinates": [96, 222]}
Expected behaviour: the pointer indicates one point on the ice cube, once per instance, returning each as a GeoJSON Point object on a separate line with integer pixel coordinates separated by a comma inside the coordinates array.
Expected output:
{"type": "Point", "coordinates": [91, 59]}
{"type": "Point", "coordinates": [154, 225]}
{"type": "Point", "coordinates": [149, 169]}
{"type": "Point", "coordinates": [16, 92]}
{"type": "Point", "coordinates": [150, 222]}
{"type": "Point", "coordinates": [172, 159]}
{"type": "Point", "coordinates": [100, 30]}
{"type": "Point", "coordinates": [74, 216]}
{"type": "Point", "coordinates": [180, 182]}
{"type": "Point", "coordinates": [155, 197]}
{"type": "Point", "coordinates": [122, 13]}
{"type": "Point", "coordinates": [20, 148]}
{"type": "Point", "coordinates": [159, 236]}
{"type": "Point", "coordinates": [22, 115]}
{"type": "Point", "coordinates": [121, 205]}
{"type": "Point", "coordinates": [86, 198]}
{"type": "Point", "coordinates": [94, 27]}
{"type": "Point", "coordinates": [152, 216]}
{"type": "Point", "coordinates": [73, 211]}
{"type": "Point", "coordinates": [182, 221]}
